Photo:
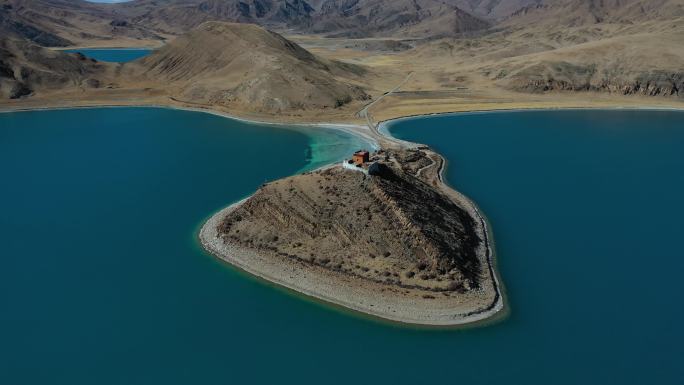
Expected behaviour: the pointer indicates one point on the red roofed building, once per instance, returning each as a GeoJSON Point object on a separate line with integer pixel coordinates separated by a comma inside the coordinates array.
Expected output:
{"type": "Point", "coordinates": [360, 157]}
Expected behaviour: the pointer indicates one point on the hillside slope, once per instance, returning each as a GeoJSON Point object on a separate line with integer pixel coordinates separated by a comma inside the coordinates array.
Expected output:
{"type": "Point", "coordinates": [406, 18]}
{"type": "Point", "coordinates": [630, 65]}
{"type": "Point", "coordinates": [389, 243]}
{"type": "Point", "coordinates": [179, 16]}
{"type": "Point", "coordinates": [26, 68]}
{"type": "Point", "coordinates": [567, 22]}
{"type": "Point", "coordinates": [246, 66]}
{"type": "Point", "coordinates": [54, 23]}
{"type": "Point", "coordinates": [493, 9]}
{"type": "Point", "coordinates": [63, 22]}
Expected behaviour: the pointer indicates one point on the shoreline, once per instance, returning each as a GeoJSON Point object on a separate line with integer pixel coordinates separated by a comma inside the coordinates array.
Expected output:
{"type": "Point", "coordinates": [343, 294]}
{"type": "Point", "coordinates": [104, 48]}
{"type": "Point", "coordinates": [358, 130]}
{"type": "Point", "coordinates": [383, 125]}
{"type": "Point", "coordinates": [499, 305]}
{"type": "Point", "coordinates": [239, 257]}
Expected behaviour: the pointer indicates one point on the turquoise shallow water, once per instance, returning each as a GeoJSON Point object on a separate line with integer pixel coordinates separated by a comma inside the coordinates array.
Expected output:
{"type": "Point", "coordinates": [102, 280]}
{"type": "Point", "coordinates": [115, 55]}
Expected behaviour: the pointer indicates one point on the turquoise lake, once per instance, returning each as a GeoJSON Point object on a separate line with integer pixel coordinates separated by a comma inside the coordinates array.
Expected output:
{"type": "Point", "coordinates": [115, 55]}
{"type": "Point", "coordinates": [102, 280]}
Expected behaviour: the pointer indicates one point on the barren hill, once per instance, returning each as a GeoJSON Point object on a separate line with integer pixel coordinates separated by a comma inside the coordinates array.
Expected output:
{"type": "Point", "coordinates": [179, 16]}
{"type": "Point", "coordinates": [493, 9]}
{"type": "Point", "coordinates": [616, 46]}
{"type": "Point", "coordinates": [26, 68]}
{"type": "Point", "coordinates": [246, 66]}
{"type": "Point", "coordinates": [407, 18]}
{"type": "Point", "coordinates": [583, 12]}
{"type": "Point", "coordinates": [64, 22]}
{"type": "Point", "coordinates": [54, 23]}
{"type": "Point", "coordinates": [632, 65]}
{"type": "Point", "coordinates": [365, 241]}
{"type": "Point", "coordinates": [568, 22]}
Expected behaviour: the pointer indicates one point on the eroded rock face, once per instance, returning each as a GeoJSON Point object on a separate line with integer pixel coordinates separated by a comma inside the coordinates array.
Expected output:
{"type": "Point", "coordinates": [571, 77]}
{"type": "Point", "coordinates": [391, 228]}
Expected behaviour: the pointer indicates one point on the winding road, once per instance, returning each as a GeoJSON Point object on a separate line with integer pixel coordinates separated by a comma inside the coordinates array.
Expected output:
{"type": "Point", "coordinates": [363, 113]}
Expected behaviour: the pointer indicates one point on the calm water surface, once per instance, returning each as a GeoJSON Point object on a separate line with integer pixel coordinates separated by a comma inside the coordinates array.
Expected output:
{"type": "Point", "coordinates": [587, 210]}
{"type": "Point", "coordinates": [102, 280]}
{"type": "Point", "coordinates": [116, 55]}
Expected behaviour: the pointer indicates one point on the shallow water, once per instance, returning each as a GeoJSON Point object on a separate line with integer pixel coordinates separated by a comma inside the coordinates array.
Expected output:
{"type": "Point", "coordinates": [115, 55]}
{"type": "Point", "coordinates": [102, 280]}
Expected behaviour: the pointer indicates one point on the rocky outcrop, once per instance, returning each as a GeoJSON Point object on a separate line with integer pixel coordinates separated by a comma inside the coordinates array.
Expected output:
{"type": "Point", "coordinates": [563, 76]}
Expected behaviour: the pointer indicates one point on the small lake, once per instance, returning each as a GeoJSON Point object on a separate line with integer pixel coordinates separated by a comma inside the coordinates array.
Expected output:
{"type": "Point", "coordinates": [114, 55]}
{"type": "Point", "coordinates": [102, 280]}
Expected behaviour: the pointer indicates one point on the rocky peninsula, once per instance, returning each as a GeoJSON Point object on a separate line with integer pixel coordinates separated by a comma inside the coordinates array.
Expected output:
{"type": "Point", "coordinates": [386, 238]}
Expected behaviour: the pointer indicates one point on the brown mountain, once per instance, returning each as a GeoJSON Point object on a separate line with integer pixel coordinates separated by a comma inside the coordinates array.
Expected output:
{"type": "Point", "coordinates": [65, 22]}
{"type": "Point", "coordinates": [179, 16]}
{"type": "Point", "coordinates": [406, 18]}
{"type": "Point", "coordinates": [493, 9]}
{"type": "Point", "coordinates": [575, 13]}
{"type": "Point", "coordinates": [26, 68]}
{"type": "Point", "coordinates": [247, 67]}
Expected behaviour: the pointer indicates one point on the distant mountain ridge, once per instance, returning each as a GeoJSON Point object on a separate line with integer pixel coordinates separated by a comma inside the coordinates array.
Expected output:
{"type": "Point", "coordinates": [493, 9]}
{"type": "Point", "coordinates": [178, 16]}
{"type": "Point", "coordinates": [408, 18]}
{"type": "Point", "coordinates": [69, 22]}
{"type": "Point", "coordinates": [62, 22]}
{"type": "Point", "coordinates": [581, 12]}
{"type": "Point", "coordinates": [615, 46]}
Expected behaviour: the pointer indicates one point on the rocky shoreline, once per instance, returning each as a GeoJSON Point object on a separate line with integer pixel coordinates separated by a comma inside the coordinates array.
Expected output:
{"type": "Point", "coordinates": [342, 290]}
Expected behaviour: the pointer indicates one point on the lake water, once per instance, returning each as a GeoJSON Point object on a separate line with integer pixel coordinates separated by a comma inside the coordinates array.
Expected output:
{"type": "Point", "coordinates": [102, 280]}
{"type": "Point", "coordinates": [586, 208]}
{"type": "Point", "coordinates": [115, 55]}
